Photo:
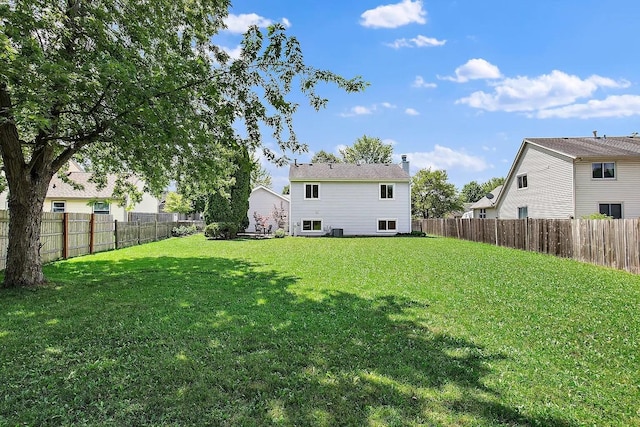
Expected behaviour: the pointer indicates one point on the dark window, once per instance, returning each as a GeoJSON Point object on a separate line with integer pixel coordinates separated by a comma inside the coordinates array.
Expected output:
{"type": "Point", "coordinates": [614, 210]}
{"type": "Point", "coordinates": [311, 225]}
{"type": "Point", "coordinates": [387, 225]}
{"type": "Point", "coordinates": [58, 207]}
{"type": "Point", "coordinates": [523, 212]}
{"type": "Point", "coordinates": [386, 191]}
{"type": "Point", "coordinates": [522, 181]}
{"type": "Point", "coordinates": [311, 191]}
{"type": "Point", "coordinates": [603, 170]}
{"type": "Point", "coordinates": [102, 208]}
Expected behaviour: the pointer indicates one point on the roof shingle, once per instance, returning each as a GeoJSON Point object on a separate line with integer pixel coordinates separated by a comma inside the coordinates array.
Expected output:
{"type": "Point", "coordinates": [347, 172]}
{"type": "Point", "coordinates": [609, 146]}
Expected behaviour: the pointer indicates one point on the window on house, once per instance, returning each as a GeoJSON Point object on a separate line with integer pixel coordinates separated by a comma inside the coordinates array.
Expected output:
{"type": "Point", "coordinates": [522, 181]}
{"type": "Point", "coordinates": [613, 210]}
{"type": "Point", "coordinates": [58, 207]}
{"type": "Point", "coordinates": [312, 191]}
{"type": "Point", "coordinates": [483, 213]}
{"type": "Point", "coordinates": [311, 225]}
{"type": "Point", "coordinates": [387, 224]}
{"type": "Point", "coordinates": [102, 208]}
{"type": "Point", "coordinates": [386, 191]}
{"type": "Point", "coordinates": [603, 170]}
{"type": "Point", "coordinates": [523, 212]}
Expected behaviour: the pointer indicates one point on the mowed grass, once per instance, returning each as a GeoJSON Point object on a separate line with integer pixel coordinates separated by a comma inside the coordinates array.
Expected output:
{"type": "Point", "coordinates": [389, 331]}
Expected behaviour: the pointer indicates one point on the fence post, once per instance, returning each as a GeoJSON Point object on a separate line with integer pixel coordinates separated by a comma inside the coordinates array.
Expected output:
{"type": "Point", "coordinates": [139, 226]}
{"type": "Point", "coordinates": [92, 230]}
{"type": "Point", "coordinates": [115, 232]}
{"type": "Point", "coordinates": [156, 223]}
{"type": "Point", "coordinates": [65, 235]}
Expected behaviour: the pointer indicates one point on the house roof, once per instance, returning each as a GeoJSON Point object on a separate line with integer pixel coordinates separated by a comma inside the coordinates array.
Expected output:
{"type": "Point", "coordinates": [284, 197]}
{"type": "Point", "coordinates": [61, 190]}
{"type": "Point", "coordinates": [347, 172]}
{"type": "Point", "coordinates": [596, 147]}
{"type": "Point", "coordinates": [486, 203]}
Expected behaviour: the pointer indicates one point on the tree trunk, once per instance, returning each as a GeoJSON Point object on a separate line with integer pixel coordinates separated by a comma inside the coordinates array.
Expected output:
{"type": "Point", "coordinates": [24, 264]}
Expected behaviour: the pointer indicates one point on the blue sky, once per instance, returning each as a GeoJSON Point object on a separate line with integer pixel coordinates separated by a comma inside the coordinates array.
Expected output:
{"type": "Point", "coordinates": [458, 84]}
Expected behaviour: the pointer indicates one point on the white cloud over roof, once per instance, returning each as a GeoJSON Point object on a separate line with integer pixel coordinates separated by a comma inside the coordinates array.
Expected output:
{"type": "Point", "coordinates": [611, 106]}
{"type": "Point", "coordinates": [544, 92]}
{"type": "Point", "coordinates": [475, 69]}
{"type": "Point", "coordinates": [394, 15]}
{"type": "Point", "coordinates": [446, 158]}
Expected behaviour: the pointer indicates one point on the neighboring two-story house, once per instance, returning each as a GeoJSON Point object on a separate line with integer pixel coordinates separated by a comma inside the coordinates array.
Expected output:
{"type": "Point", "coordinates": [572, 178]}
{"type": "Point", "coordinates": [354, 199]}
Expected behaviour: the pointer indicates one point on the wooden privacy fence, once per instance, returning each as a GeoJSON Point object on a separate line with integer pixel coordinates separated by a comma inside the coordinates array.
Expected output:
{"type": "Point", "coordinates": [67, 235]}
{"type": "Point", "coordinates": [611, 243]}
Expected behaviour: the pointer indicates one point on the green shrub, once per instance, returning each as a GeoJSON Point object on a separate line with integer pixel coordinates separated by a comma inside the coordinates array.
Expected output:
{"type": "Point", "coordinates": [184, 230]}
{"type": "Point", "coordinates": [414, 233]}
{"type": "Point", "coordinates": [221, 230]}
{"type": "Point", "coordinates": [596, 216]}
{"type": "Point", "coordinates": [280, 233]}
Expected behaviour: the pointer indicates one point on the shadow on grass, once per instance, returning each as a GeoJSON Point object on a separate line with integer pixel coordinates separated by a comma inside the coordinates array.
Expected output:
{"type": "Point", "coordinates": [221, 342]}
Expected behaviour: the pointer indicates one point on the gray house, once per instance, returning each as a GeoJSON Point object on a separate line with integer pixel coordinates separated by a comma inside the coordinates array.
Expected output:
{"type": "Point", "coordinates": [573, 177]}
{"type": "Point", "coordinates": [365, 199]}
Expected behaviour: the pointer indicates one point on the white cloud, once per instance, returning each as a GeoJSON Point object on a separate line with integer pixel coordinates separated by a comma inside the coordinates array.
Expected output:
{"type": "Point", "coordinates": [358, 110]}
{"type": "Point", "coordinates": [420, 82]}
{"type": "Point", "coordinates": [233, 53]}
{"type": "Point", "coordinates": [446, 158]}
{"type": "Point", "coordinates": [419, 41]}
{"type": "Point", "coordinates": [387, 105]}
{"type": "Point", "coordinates": [394, 15]}
{"type": "Point", "coordinates": [411, 112]}
{"type": "Point", "coordinates": [474, 69]}
{"type": "Point", "coordinates": [612, 106]}
{"type": "Point", "coordinates": [239, 24]}
{"type": "Point", "coordinates": [390, 141]}
{"type": "Point", "coordinates": [525, 94]}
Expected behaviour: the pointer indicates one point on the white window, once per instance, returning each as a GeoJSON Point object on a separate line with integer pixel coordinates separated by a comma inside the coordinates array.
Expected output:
{"type": "Point", "coordinates": [58, 207]}
{"type": "Point", "coordinates": [312, 225]}
{"type": "Point", "coordinates": [386, 191]}
{"type": "Point", "coordinates": [603, 170]}
{"type": "Point", "coordinates": [523, 212]}
{"type": "Point", "coordinates": [387, 224]}
{"type": "Point", "coordinates": [522, 181]}
{"type": "Point", "coordinates": [311, 191]}
{"type": "Point", "coordinates": [102, 208]}
{"type": "Point", "coordinates": [483, 213]}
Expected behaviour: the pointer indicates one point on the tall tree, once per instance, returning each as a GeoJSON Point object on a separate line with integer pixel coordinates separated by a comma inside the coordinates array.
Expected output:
{"type": "Point", "coordinates": [368, 149]}
{"type": "Point", "coordinates": [134, 88]}
{"type": "Point", "coordinates": [325, 157]}
{"type": "Point", "coordinates": [286, 189]}
{"type": "Point", "coordinates": [432, 196]}
{"type": "Point", "coordinates": [259, 175]}
{"type": "Point", "coordinates": [491, 184]}
{"type": "Point", "coordinates": [472, 192]}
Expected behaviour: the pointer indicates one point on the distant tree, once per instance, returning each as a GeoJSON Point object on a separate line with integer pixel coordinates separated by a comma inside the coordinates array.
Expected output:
{"type": "Point", "coordinates": [259, 175]}
{"type": "Point", "coordinates": [175, 202]}
{"type": "Point", "coordinates": [324, 157]}
{"type": "Point", "coordinates": [491, 184]}
{"type": "Point", "coordinates": [472, 192]}
{"type": "Point", "coordinates": [286, 189]}
{"type": "Point", "coordinates": [368, 149]}
{"type": "Point", "coordinates": [432, 196]}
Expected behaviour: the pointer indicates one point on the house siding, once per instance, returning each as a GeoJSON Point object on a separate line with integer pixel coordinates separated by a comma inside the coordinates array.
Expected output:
{"type": "Point", "coordinates": [354, 207]}
{"type": "Point", "coordinates": [262, 202]}
{"type": "Point", "coordinates": [492, 213]}
{"type": "Point", "coordinates": [549, 192]}
{"type": "Point", "coordinates": [623, 189]}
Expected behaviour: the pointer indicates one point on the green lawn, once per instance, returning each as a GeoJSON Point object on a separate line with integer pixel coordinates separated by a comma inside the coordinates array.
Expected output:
{"type": "Point", "coordinates": [392, 331]}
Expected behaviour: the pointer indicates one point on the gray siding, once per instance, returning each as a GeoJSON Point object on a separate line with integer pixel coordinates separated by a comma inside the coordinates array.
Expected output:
{"type": "Point", "coordinates": [624, 189]}
{"type": "Point", "coordinates": [353, 206]}
{"type": "Point", "coordinates": [549, 193]}
{"type": "Point", "coordinates": [262, 201]}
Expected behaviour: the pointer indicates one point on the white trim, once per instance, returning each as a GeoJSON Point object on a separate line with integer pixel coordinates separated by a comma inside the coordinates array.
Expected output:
{"type": "Point", "coordinates": [304, 189]}
{"type": "Point", "coordinates": [523, 179]}
{"type": "Point", "coordinates": [615, 172]}
{"type": "Point", "coordinates": [387, 230]}
{"type": "Point", "coordinates": [101, 212]}
{"type": "Point", "coordinates": [302, 230]}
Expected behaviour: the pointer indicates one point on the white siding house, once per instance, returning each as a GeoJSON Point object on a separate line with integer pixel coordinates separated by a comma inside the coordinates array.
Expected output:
{"type": "Point", "coordinates": [486, 208]}
{"type": "Point", "coordinates": [263, 200]}
{"type": "Point", "coordinates": [363, 200]}
{"type": "Point", "coordinates": [573, 177]}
